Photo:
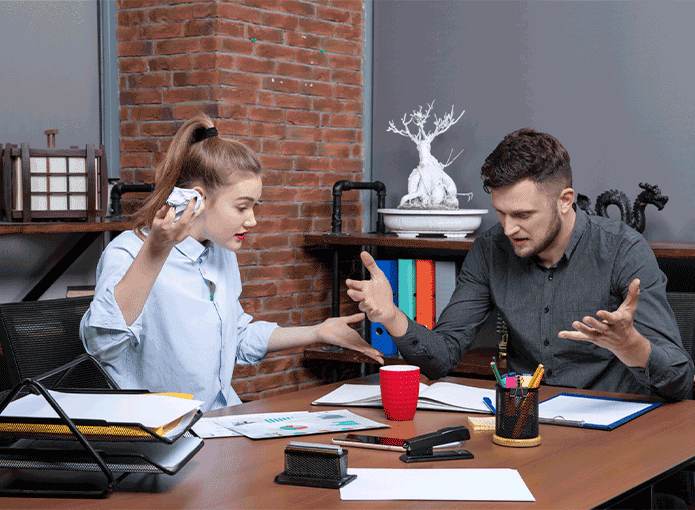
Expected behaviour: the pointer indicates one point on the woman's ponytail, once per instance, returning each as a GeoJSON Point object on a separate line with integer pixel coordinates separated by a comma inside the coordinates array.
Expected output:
{"type": "Point", "coordinates": [169, 172]}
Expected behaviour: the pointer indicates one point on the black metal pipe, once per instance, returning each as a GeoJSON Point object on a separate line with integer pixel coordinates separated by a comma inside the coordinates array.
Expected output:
{"type": "Point", "coordinates": [340, 186]}
{"type": "Point", "coordinates": [122, 187]}
{"type": "Point", "coordinates": [335, 297]}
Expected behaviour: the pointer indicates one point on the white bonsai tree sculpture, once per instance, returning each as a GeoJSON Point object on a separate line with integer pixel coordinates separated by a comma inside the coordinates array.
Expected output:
{"type": "Point", "coordinates": [429, 187]}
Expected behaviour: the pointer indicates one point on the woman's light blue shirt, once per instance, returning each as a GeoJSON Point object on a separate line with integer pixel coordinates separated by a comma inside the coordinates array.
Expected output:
{"type": "Point", "coordinates": [191, 331]}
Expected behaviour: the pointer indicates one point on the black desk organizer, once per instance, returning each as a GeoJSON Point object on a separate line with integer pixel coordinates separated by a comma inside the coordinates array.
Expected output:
{"type": "Point", "coordinates": [35, 452]}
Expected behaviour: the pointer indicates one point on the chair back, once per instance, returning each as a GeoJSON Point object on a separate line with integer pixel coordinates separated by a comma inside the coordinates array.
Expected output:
{"type": "Point", "coordinates": [38, 337]}
{"type": "Point", "coordinates": [683, 306]}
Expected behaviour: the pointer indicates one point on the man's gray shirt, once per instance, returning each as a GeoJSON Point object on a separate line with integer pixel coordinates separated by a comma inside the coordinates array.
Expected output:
{"type": "Point", "coordinates": [594, 273]}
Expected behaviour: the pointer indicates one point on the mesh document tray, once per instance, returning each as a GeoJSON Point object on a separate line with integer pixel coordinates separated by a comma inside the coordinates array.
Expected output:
{"type": "Point", "coordinates": [32, 445]}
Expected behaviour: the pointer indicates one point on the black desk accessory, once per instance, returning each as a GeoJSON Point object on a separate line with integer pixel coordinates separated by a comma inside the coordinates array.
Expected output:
{"type": "Point", "coordinates": [419, 449]}
{"type": "Point", "coordinates": [315, 465]}
{"type": "Point", "coordinates": [72, 450]}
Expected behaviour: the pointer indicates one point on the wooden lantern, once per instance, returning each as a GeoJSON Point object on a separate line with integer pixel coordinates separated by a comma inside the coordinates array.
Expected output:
{"type": "Point", "coordinates": [48, 184]}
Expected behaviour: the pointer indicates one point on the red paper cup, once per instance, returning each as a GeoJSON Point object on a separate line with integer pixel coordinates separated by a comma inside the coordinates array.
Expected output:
{"type": "Point", "coordinates": [400, 388]}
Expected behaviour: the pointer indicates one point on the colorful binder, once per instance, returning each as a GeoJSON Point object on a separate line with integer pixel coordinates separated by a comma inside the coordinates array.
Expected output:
{"type": "Point", "coordinates": [425, 303]}
{"type": "Point", "coordinates": [406, 287]}
{"type": "Point", "coordinates": [444, 283]}
{"type": "Point", "coordinates": [380, 338]}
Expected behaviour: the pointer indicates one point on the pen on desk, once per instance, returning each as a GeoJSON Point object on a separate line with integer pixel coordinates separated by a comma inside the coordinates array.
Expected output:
{"type": "Point", "coordinates": [496, 372]}
{"type": "Point", "coordinates": [558, 420]}
{"type": "Point", "coordinates": [488, 403]}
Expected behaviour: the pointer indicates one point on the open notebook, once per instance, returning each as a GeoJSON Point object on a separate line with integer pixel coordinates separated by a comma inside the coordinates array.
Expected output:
{"type": "Point", "coordinates": [441, 396]}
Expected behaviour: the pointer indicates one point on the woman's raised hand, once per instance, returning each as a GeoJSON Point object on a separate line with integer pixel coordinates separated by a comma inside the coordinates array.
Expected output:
{"type": "Point", "coordinates": [166, 232]}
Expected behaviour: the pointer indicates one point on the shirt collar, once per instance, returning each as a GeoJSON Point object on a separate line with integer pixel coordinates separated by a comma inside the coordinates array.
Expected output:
{"type": "Point", "coordinates": [580, 222]}
{"type": "Point", "coordinates": [191, 248]}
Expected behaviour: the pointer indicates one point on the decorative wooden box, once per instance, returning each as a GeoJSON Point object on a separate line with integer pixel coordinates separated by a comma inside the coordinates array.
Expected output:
{"type": "Point", "coordinates": [50, 184]}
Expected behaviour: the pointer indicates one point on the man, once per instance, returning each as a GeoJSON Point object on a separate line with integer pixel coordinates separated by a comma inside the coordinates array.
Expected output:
{"type": "Point", "coordinates": [583, 295]}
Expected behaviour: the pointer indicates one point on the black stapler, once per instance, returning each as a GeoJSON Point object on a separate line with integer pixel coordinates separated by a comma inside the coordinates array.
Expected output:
{"type": "Point", "coordinates": [419, 449]}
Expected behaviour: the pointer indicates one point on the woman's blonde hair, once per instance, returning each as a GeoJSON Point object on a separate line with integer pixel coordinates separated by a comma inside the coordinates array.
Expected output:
{"type": "Point", "coordinates": [211, 162]}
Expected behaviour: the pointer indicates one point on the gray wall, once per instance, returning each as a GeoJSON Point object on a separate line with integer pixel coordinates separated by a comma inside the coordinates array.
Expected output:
{"type": "Point", "coordinates": [50, 72]}
{"type": "Point", "coordinates": [49, 79]}
{"type": "Point", "coordinates": [613, 81]}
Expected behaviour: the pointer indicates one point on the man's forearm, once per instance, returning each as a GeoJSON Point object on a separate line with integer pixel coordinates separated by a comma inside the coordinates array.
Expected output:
{"type": "Point", "coordinates": [398, 325]}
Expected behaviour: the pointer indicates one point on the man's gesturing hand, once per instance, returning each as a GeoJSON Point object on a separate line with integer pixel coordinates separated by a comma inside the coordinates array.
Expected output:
{"type": "Point", "coordinates": [615, 331]}
{"type": "Point", "coordinates": [375, 296]}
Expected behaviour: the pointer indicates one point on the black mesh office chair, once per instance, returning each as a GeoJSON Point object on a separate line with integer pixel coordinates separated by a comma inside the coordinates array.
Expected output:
{"type": "Point", "coordinates": [683, 306]}
{"type": "Point", "coordinates": [682, 484]}
{"type": "Point", "coordinates": [41, 338]}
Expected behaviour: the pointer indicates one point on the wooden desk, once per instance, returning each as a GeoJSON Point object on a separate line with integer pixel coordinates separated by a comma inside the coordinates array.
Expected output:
{"type": "Point", "coordinates": [65, 257]}
{"type": "Point", "coordinates": [572, 468]}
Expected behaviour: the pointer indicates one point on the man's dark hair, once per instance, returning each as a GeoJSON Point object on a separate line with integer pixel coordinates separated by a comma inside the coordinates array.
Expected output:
{"type": "Point", "coordinates": [527, 154]}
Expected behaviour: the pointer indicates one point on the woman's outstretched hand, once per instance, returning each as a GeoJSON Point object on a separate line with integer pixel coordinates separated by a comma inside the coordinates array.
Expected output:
{"type": "Point", "coordinates": [336, 331]}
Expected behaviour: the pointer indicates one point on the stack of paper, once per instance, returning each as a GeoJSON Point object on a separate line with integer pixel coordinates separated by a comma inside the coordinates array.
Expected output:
{"type": "Point", "coordinates": [161, 414]}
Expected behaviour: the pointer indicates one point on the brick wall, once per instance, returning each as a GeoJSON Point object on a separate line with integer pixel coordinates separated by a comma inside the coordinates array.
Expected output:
{"type": "Point", "coordinates": [284, 77]}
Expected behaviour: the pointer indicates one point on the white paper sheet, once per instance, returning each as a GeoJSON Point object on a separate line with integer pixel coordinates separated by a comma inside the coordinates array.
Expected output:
{"type": "Point", "coordinates": [309, 423]}
{"type": "Point", "coordinates": [596, 411]}
{"type": "Point", "coordinates": [150, 410]}
{"type": "Point", "coordinates": [436, 485]}
{"type": "Point", "coordinates": [223, 426]}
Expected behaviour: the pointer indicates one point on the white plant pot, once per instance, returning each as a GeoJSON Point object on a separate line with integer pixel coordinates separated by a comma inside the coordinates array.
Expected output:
{"type": "Point", "coordinates": [409, 223]}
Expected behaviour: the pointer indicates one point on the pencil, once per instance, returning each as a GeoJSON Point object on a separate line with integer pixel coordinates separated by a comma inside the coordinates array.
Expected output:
{"type": "Point", "coordinates": [537, 375]}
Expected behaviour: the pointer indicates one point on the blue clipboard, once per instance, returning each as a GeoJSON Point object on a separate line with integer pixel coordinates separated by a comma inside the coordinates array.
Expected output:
{"type": "Point", "coordinates": [590, 411]}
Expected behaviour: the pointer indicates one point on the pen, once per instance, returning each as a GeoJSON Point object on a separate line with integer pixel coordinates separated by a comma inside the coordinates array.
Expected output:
{"type": "Point", "coordinates": [561, 421]}
{"type": "Point", "coordinates": [488, 403]}
{"type": "Point", "coordinates": [497, 374]}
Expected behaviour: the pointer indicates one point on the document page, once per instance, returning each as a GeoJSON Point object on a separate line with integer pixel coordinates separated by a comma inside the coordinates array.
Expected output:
{"type": "Point", "coordinates": [223, 426]}
{"type": "Point", "coordinates": [595, 411]}
{"type": "Point", "coordinates": [368, 395]}
{"type": "Point", "coordinates": [308, 423]}
{"type": "Point", "coordinates": [436, 485]}
{"type": "Point", "coordinates": [466, 398]}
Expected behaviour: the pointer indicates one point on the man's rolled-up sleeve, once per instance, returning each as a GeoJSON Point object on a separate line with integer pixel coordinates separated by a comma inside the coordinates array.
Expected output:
{"type": "Point", "coordinates": [669, 371]}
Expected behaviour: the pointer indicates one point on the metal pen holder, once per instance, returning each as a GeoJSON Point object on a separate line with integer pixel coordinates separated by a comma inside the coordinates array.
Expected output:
{"type": "Point", "coordinates": [516, 419]}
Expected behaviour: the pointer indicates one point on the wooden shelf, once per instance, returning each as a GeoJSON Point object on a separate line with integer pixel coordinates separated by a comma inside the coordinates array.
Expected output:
{"type": "Point", "coordinates": [65, 256]}
{"type": "Point", "coordinates": [64, 227]}
{"type": "Point", "coordinates": [475, 362]}
{"type": "Point", "coordinates": [385, 240]}
{"type": "Point", "coordinates": [662, 249]}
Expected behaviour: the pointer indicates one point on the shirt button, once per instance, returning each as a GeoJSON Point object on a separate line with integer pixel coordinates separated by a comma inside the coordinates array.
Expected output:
{"type": "Point", "coordinates": [550, 277]}
{"type": "Point", "coordinates": [546, 342]}
{"type": "Point", "coordinates": [546, 309]}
